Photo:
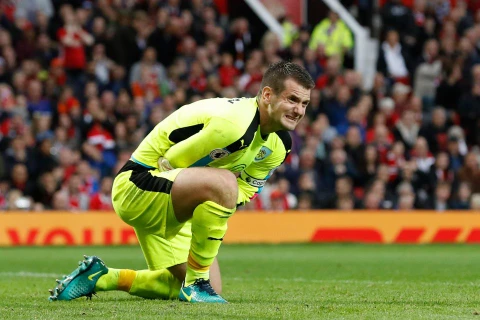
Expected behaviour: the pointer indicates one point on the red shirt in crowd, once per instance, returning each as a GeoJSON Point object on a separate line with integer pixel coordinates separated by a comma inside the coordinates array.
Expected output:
{"type": "Point", "coordinates": [100, 201]}
{"type": "Point", "coordinates": [73, 57]}
{"type": "Point", "coordinates": [227, 75]}
{"type": "Point", "coordinates": [394, 163]}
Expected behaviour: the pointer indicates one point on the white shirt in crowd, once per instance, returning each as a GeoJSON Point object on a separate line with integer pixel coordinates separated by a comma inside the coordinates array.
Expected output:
{"type": "Point", "coordinates": [395, 63]}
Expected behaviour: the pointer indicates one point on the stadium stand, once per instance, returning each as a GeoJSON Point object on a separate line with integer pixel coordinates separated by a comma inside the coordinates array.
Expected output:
{"type": "Point", "coordinates": [82, 82]}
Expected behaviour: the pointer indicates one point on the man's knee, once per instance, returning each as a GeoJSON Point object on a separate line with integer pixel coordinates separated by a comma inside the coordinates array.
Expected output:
{"type": "Point", "coordinates": [194, 186]}
{"type": "Point", "coordinates": [223, 189]}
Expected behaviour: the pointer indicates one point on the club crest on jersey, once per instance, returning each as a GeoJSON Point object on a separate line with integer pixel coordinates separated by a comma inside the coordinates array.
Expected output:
{"type": "Point", "coordinates": [218, 154]}
{"type": "Point", "coordinates": [262, 154]}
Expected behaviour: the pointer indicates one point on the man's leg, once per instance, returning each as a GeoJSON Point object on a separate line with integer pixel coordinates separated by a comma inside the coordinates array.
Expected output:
{"type": "Point", "coordinates": [211, 194]}
{"type": "Point", "coordinates": [166, 260]}
{"type": "Point", "coordinates": [206, 190]}
{"type": "Point", "coordinates": [141, 198]}
{"type": "Point", "coordinates": [179, 271]}
{"type": "Point", "coordinates": [152, 284]}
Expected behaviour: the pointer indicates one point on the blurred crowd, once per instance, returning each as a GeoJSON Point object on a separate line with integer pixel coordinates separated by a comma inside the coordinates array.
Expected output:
{"type": "Point", "coordinates": [82, 82]}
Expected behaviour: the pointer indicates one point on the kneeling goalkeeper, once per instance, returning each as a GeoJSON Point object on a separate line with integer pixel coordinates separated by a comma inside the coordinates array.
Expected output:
{"type": "Point", "coordinates": [184, 181]}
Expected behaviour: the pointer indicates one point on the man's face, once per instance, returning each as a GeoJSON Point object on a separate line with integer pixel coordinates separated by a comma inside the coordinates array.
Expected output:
{"type": "Point", "coordinates": [288, 108]}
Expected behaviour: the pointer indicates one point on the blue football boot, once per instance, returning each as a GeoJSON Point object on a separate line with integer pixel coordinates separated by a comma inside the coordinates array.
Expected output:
{"type": "Point", "coordinates": [81, 282]}
{"type": "Point", "coordinates": [200, 291]}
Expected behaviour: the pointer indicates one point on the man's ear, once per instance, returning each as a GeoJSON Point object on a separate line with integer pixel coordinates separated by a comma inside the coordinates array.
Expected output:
{"type": "Point", "coordinates": [267, 94]}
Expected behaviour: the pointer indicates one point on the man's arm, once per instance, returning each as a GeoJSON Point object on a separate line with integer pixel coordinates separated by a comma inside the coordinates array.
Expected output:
{"type": "Point", "coordinates": [195, 151]}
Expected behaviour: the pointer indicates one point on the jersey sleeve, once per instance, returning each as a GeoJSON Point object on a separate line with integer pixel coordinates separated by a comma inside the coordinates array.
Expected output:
{"type": "Point", "coordinates": [196, 150]}
{"type": "Point", "coordinates": [253, 178]}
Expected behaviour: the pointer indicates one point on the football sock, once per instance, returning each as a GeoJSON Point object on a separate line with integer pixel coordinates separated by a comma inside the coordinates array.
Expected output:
{"type": "Point", "coordinates": [157, 284]}
{"type": "Point", "coordinates": [209, 225]}
{"type": "Point", "coordinates": [108, 281]}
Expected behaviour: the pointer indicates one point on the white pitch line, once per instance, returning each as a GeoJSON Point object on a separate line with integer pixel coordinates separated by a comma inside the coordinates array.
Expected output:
{"type": "Point", "coordinates": [28, 274]}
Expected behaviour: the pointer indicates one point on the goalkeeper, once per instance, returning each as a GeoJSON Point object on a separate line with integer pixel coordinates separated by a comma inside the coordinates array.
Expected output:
{"type": "Point", "coordinates": [184, 181]}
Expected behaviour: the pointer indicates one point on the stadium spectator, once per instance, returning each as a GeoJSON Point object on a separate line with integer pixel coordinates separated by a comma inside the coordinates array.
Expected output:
{"type": "Point", "coordinates": [440, 171]}
{"type": "Point", "coordinates": [331, 36]}
{"type": "Point", "coordinates": [396, 16]}
{"type": "Point", "coordinates": [338, 165]}
{"type": "Point", "coordinates": [470, 172]}
{"type": "Point", "coordinates": [73, 39]}
{"type": "Point", "coordinates": [386, 115]}
{"type": "Point", "coordinates": [332, 76]}
{"type": "Point", "coordinates": [45, 190]}
{"type": "Point", "coordinates": [475, 201]}
{"type": "Point", "coordinates": [102, 200]}
{"type": "Point", "coordinates": [353, 144]}
{"type": "Point", "coordinates": [227, 71]}
{"type": "Point", "coordinates": [37, 103]}
{"type": "Point", "coordinates": [278, 201]}
{"type": "Point", "coordinates": [60, 201]}
{"type": "Point", "coordinates": [449, 91]}
{"type": "Point", "coordinates": [440, 201]}
{"type": "Point", "coordinates": [393, 59]}
{"type": "Point", "coordinates": [395, 160]}
{"type": "Point", "coordinates": [404, 189]}
{"type": "Point", "coordinates": [305, 201]}
{"type": "Point", "coordinates": [308, 184]}
{"type": "Point", "coordinates": [367, 165]}
{"type": "Point", "coordinates": [421, 155]}
{"type": "Point", "coordinates": [19, 180]}
{"type": "Point", "coordinates": [461, 201]}
{"type": "Point", "coordinates": [372, 201]}
{"type": "Point", "coordinates": [25, 47]}
{"type": "Point", "coordinates": [147, 75]}
{"type": "Point", "coordinates": [406, 202]}
{"type": "Point", "coordinates": [343, 197]}
{"type": "Point", "coordinates": [337, 109]}
{"type": "Point", "coordinates": [427, 73]}
{"type": "Point", "coordinates": [77, 198]}
{"type": "Point", "coordinates": [240, 42]}
{"type": "Point", "coordinates": [435, 132]}
{"type": "Point", "coordinates": [165, 38]}
{"type": "Point", "coordinates": [16, 200]}
{"type": "Point", "coordinates": [312, 64]}
{"type": "Point", "coordinates": [469, 112]}
{"type": "Point", "coordinates": [406, 129]}
{"type": "Point", "coordinates": [45, 161]}
{"type": "Point", "coordinates": [102, 65]}
{"type": "Point", "coordinates": [19, 153]}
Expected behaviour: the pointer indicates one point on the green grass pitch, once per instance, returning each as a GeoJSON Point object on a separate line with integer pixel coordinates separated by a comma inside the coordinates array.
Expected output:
{"type": "Point", "coordinates": [266, 282]}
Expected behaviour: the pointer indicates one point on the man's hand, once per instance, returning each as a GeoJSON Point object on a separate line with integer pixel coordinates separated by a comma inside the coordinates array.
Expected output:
{"type": "Point", "coordinates": [164, 164]}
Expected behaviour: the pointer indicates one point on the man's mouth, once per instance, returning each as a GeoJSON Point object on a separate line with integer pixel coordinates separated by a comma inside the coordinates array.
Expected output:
{"type": "Point", "coordinates": [291, 118]}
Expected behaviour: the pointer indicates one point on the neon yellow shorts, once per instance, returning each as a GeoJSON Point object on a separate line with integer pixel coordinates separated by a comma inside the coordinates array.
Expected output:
{"type": "Point", "coordinates": [141, 198]}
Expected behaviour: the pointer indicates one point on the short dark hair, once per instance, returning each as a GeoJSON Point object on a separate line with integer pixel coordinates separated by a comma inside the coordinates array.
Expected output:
{"type": "Point", "coordinates": [278, 72]}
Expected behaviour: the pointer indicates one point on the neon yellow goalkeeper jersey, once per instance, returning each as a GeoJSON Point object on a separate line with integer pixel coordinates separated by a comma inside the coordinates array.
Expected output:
{"type": "Point", "coordinates": [219, 133]}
